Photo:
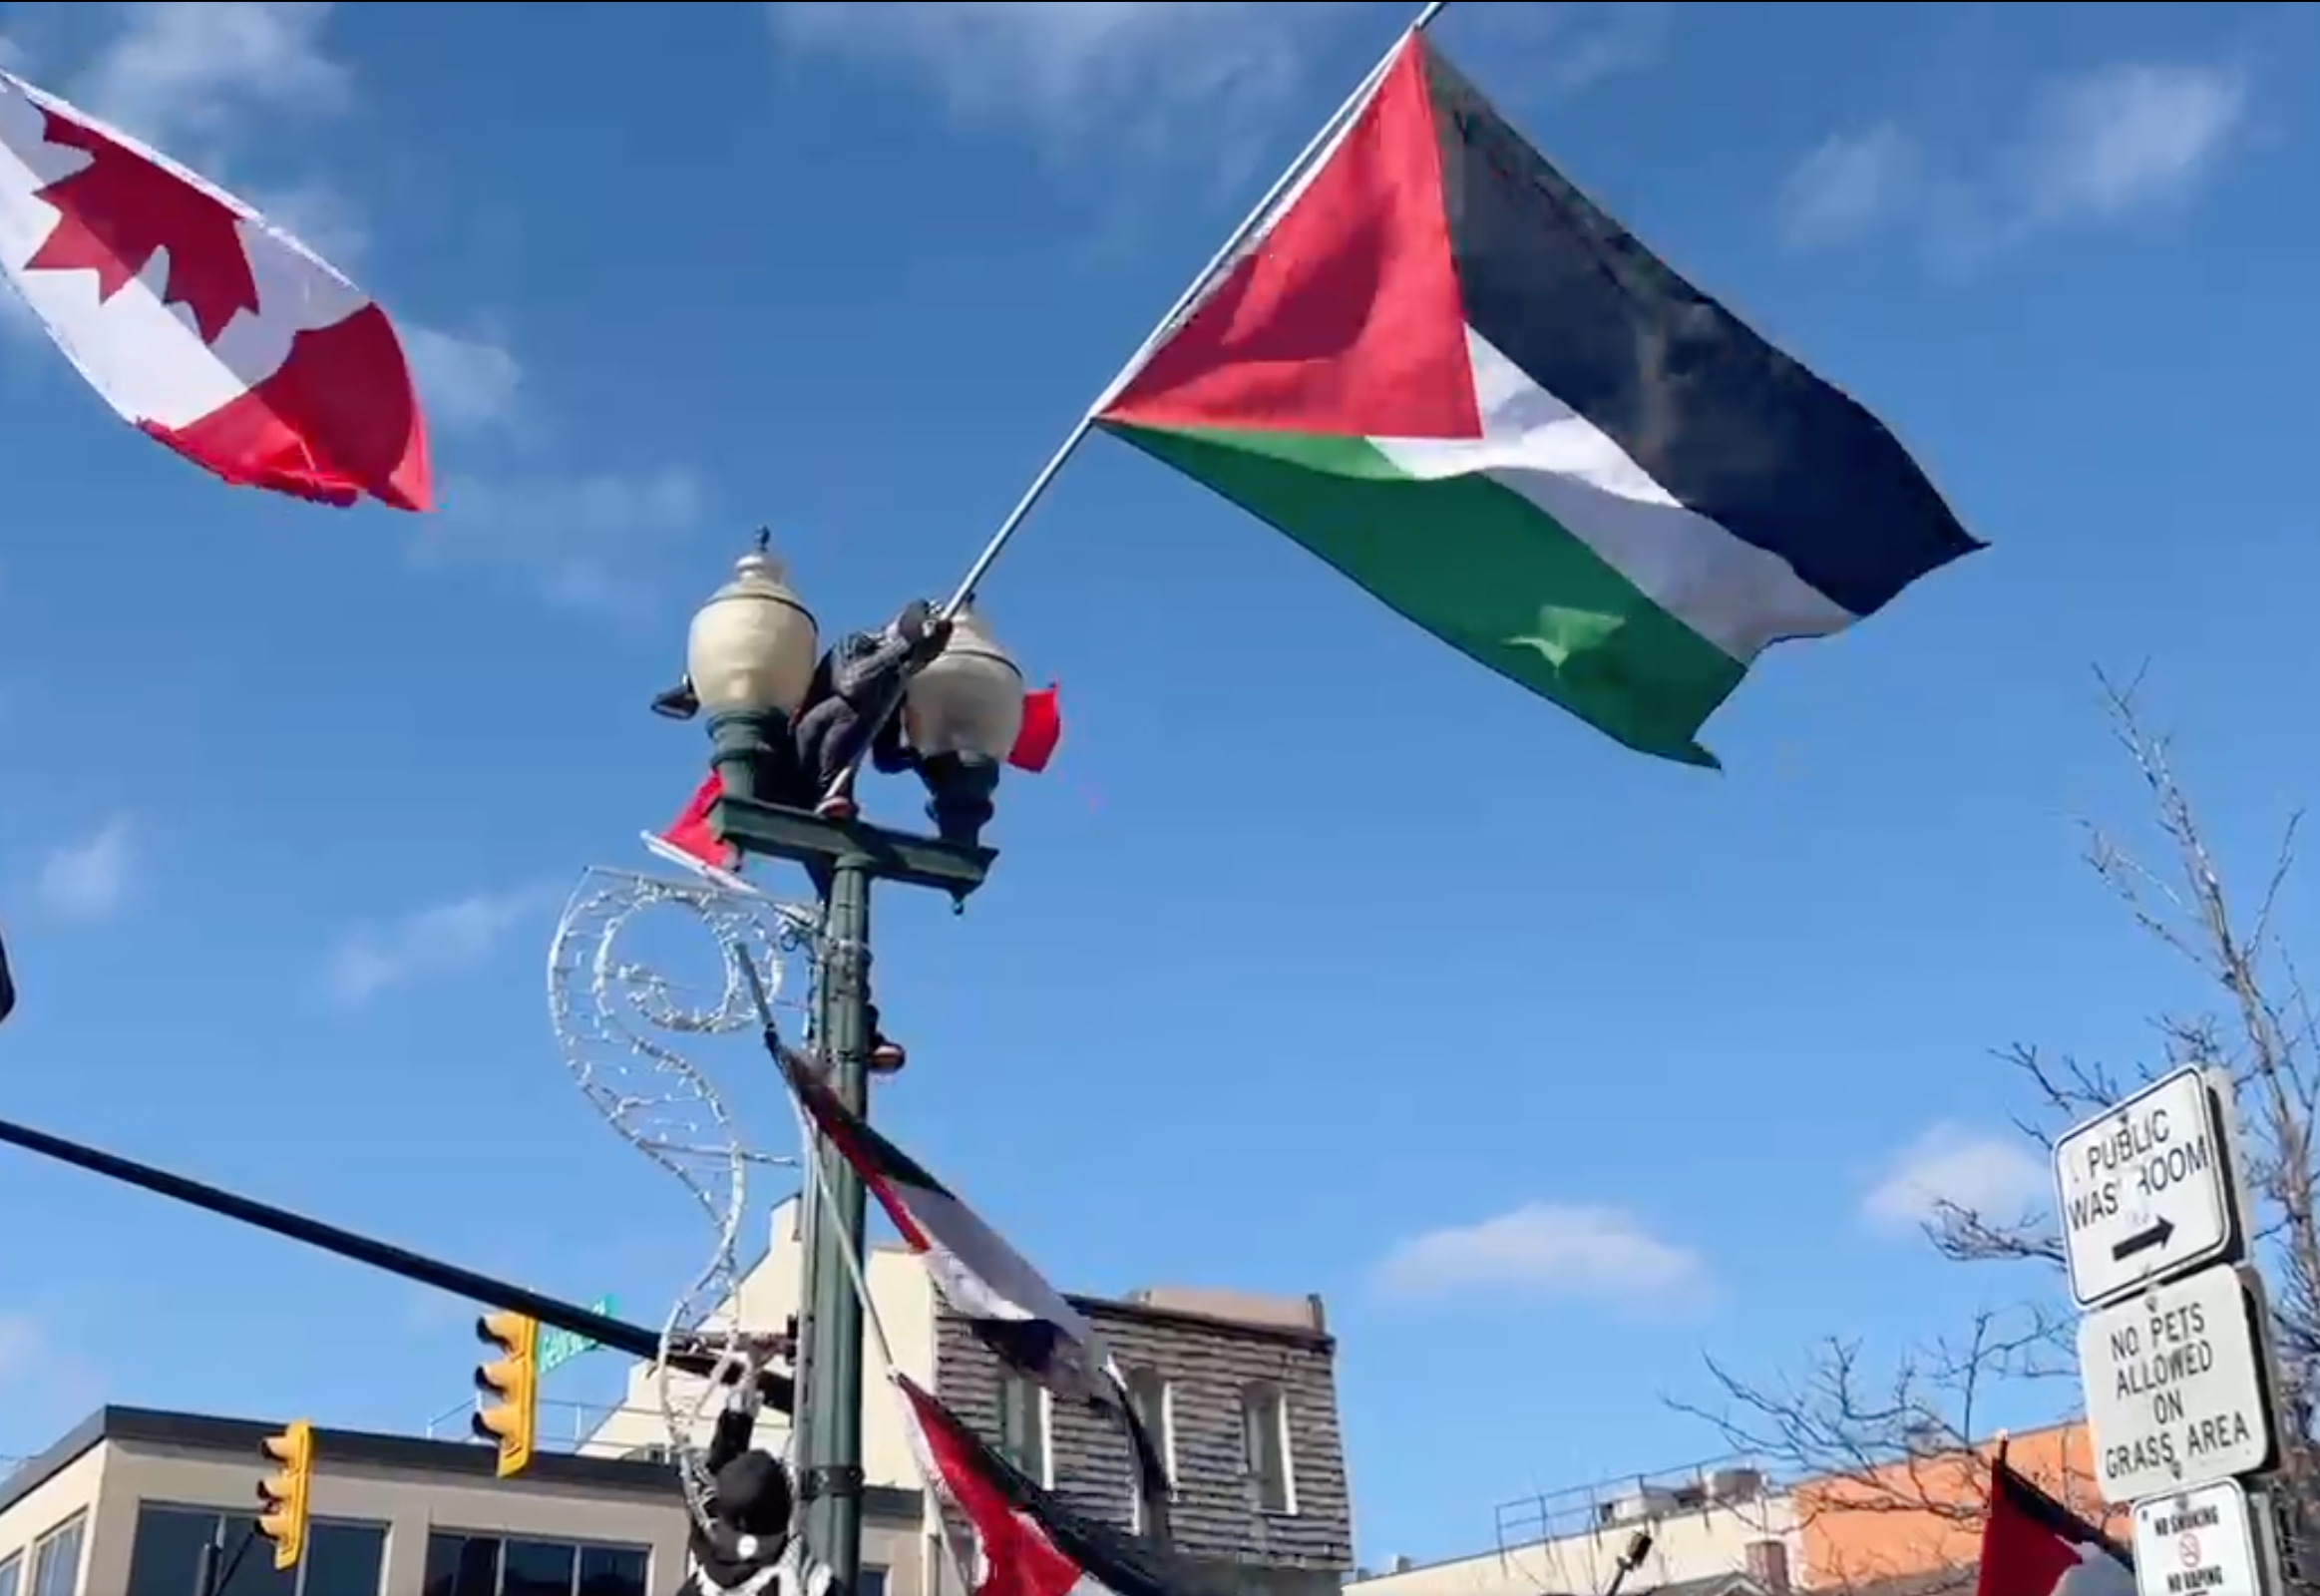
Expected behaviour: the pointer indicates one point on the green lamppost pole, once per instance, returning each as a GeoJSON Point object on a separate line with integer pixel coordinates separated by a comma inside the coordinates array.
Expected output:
{"type": "Point", "coordinates": [750, 663]}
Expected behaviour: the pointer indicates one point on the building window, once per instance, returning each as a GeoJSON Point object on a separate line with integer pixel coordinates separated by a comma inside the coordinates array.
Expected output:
{"type": "Point", "coordinates": [1154, 1402]}
{"type": "Point", "coordinates": [1264, 1448]}
{"type": "Point", "coordinates": [1022, 1425]}
{"type": "Point", "coordinates": [56, 1559]}
{"type": "Point", "coordinates": [11, 1575]}
{"type": "Point", "coordinates": [872, 1582]}
{"type": "Point", "coordinates": [343, 1558]}
{"type": "Point", "coordinates": [489, 1565]}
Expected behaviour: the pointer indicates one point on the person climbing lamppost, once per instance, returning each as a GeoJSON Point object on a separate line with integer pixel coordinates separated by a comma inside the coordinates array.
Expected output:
{"type": "Point", "coordinates": [784, 718]}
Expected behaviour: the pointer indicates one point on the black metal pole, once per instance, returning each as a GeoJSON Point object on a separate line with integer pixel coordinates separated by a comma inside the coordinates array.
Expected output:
{"type": "Point", "coordinates": [830, 1330]}
{"type": "Point", "coordinates": [827, 1434]}
{"type": "Point", "coordinates": [636, 1341]}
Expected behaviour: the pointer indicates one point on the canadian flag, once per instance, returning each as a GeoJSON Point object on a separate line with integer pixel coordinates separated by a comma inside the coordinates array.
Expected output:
{"type": "Point", "coordinates": [201, 324]}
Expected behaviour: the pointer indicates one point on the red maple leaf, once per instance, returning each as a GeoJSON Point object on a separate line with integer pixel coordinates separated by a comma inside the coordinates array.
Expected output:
{"type": "Point", "coordinates": [119, 209]}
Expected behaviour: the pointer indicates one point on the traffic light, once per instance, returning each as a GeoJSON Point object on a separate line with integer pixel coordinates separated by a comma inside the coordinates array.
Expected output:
{"type": "Point", "coordinates": [515, 1378]}
{"type": "Point", "coordinates": [281, 1496]}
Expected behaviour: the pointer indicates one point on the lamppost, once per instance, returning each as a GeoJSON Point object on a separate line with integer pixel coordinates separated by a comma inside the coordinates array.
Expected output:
{"type": "Point", "coordinates": [750, 660]}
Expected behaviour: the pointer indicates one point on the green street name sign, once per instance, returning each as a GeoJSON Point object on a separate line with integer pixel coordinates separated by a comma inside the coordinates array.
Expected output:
{"type": "Point", "coordinates": [560, 1347]}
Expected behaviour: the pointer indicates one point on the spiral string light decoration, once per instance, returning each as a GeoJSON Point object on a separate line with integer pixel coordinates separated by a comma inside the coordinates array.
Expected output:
{"type": "Point", "coordinates": [618, 1021]}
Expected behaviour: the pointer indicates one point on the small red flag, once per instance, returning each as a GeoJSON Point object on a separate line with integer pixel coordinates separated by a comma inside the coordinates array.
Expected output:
{"type": "Point", "coordinates": [1043, 730]}
{"type": "Point", "coordinates": [693, 835]}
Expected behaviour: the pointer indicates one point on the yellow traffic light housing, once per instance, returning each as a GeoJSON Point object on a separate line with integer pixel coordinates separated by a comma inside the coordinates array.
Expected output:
{"type": "Point", "coordinates": [282, 1497]}
{"type": "Point", "coordinates": [513, 1378]}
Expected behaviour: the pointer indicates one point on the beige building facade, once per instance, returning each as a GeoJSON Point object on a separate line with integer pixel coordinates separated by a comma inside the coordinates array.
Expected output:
{"type": "Point", "coordinates": [123, 1505]}
{"type": "Point", "coordinates": [904, 1298]}
{"type": "Point", "coordinates": [1240, 1391]}
{"type": "Point", "coordinates": [1712, 1523]}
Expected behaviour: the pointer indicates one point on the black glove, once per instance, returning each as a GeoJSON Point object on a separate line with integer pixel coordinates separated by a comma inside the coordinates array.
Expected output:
{"type": "Point", "coordinates": [912, 624]}
{"type": "Point", "coordinates": [922, 629]}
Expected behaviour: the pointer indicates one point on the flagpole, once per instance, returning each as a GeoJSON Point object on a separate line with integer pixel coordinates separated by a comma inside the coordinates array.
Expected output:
{"type": "Point", "coordinates": [1185, 302]}
{"type": "Point", "coordinates": [964, 594]}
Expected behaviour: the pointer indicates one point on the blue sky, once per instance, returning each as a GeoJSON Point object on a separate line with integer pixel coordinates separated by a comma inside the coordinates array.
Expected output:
{"type": "Point", "coordinates": [1321, 961]}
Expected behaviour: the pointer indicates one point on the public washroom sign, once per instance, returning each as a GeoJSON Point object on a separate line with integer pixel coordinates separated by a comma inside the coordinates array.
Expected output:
{"type": "Point", "coordinates": [2146, 1190]}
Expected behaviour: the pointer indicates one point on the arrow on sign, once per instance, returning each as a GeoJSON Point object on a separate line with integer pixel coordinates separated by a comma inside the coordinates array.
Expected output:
{"type": "Point", "coordinates": [2143, 1241]}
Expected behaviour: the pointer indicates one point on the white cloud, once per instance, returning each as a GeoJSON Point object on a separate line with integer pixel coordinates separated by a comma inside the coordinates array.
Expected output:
{"type": "Point", "coordinates": [590, 541]}
{"type": "Point", "coordinates": [21, 1346]}
{"type": "Point", "coordinates": [1564, 48]}
{"type": "Point", "coordinates": [320, 216]}
{"type": "Point", "coordinates": [2128, 137]}
{"type": "Point", "coordinates": [45, 1381]}
{"type": "Point", "coordinates": [87, 880]}
{"type": "Point", "coordinates": [184, 68]}
{"type": "Point", "coordinates": [1987, 1173]}
{"type": "Point", "coordinates": [587, 542]}
{"type": "Point", "coordinates": [2097, 148]}
{"type": "Point", "coordinates": [464, 383]}
{"type": "Point", "coordinates": [439, 940]}
{"type": "Point", "coordinates": [1572, 1250]}
{"type": "Point", "coordinates": [1844, 187]}
{"type": "Point", "coordinates": [1069, 68]}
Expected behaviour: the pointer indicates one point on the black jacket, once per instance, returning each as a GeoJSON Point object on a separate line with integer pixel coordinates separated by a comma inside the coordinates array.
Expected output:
{"type": "Point", "coordinates": [746, 1549]}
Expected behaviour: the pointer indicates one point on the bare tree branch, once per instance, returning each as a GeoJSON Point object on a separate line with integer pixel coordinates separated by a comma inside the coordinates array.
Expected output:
{"type": "Point", "coordinates": [1878, 1437]}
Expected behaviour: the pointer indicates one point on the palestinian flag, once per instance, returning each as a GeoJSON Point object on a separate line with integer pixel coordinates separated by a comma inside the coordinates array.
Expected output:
{"type": "Point", "coordinates": [984, 1281]}
{"type": "Point", "coordinates": [2032, 1545]}
{"type": "Point", "coordinates": [1444, 371]}
{"type": "Point", "coordinates": [201, 324]}
{"type": "Point", "coordinates": [1026, 1542]}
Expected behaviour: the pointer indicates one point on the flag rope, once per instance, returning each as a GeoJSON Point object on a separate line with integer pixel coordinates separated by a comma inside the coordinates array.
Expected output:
{"type": "Point", "coordinates": [1185, 302]}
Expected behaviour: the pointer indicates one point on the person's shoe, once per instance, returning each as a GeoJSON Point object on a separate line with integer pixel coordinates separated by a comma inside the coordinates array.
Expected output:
{"type": "Point", "coordinates": [680, 702]}
{"type": "Point", "coordinates": [886, 1055]}
{"type": "Point", "coordinates": [838, 804]}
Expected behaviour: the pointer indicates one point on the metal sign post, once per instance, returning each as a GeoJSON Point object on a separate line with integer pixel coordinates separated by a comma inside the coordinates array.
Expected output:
{"type": "Point", "coordinates": [2175, 1351]}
